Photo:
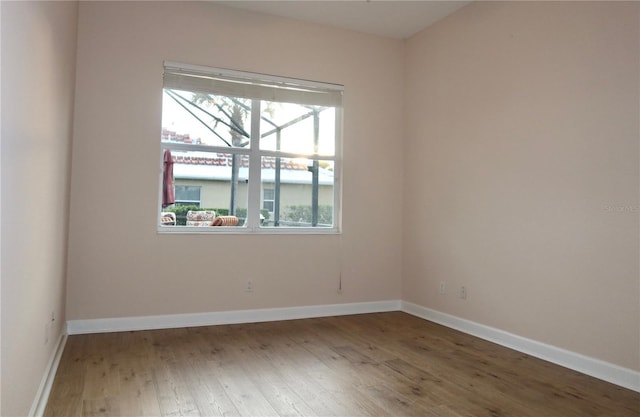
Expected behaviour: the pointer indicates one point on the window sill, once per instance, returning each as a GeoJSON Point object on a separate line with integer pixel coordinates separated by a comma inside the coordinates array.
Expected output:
{"type": "Point", "coordinates": [230, 230]}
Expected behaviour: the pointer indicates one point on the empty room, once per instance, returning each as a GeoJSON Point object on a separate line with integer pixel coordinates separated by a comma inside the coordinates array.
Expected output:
{"type": "Point", "coordinates": [340, 208]}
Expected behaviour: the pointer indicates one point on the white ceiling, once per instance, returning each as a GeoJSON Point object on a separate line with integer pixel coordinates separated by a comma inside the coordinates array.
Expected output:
{"type": "Point", "coordinates": [396, 19]}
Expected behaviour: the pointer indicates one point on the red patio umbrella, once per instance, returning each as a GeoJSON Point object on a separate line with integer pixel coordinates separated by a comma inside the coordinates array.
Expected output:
{"type": "Point", "coordinates": [168, 192]}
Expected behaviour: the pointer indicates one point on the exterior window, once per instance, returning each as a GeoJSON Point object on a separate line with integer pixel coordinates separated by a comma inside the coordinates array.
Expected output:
{"type": "Point", "coordinates": [187, 195]}
{"type": "Point", "coordinates": [268, 199]}
{"type": "Point", "coordinates": [260, 152]}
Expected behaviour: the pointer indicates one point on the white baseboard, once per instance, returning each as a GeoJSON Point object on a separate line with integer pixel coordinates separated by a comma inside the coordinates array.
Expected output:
{"type": "Point", "coordinates": [121, 324]}
{"type": "Point", "coordinates": [42, 396]}
{"type": "Point", "coordinates": [594, 367]}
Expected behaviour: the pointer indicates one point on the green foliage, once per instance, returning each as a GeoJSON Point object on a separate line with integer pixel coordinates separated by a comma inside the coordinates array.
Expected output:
{"type": "Point", "coordinates": [303, 214]}
{"type": "Point", "coordinates": [181, 212]}
{"type": "Point", "coordinates": [241, 212]}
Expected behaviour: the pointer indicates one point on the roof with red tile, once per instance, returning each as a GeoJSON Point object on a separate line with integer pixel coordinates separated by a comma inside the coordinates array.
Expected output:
{"type": "Point", "coordinates": [222, 159]}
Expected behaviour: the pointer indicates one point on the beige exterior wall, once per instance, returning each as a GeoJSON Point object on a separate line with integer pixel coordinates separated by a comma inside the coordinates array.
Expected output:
{"type": "Point", "coordinates": [300, 195]}
{"type": "Point", "coordinates": [38, 65]}
{"type": "Point", "coordinates": [217, 194]}
{"type": "Point", "coordinates": [521, 179]}
{"type": "Point", "coordinates": [119, 270]}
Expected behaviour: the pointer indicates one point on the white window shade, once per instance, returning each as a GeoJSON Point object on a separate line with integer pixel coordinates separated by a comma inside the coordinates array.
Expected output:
{"type": "Point", "coordinates": [251, 86]}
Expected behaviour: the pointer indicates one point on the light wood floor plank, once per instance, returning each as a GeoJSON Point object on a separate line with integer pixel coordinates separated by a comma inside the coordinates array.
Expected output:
{"type": "Point", "coordinates": [386, 364]}
{"type": "Point", "coordinates": [272, 384]}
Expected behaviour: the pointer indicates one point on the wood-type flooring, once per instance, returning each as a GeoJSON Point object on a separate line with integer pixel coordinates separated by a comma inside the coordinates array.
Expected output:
{"type": "Point", "coordinates": [383, 364]}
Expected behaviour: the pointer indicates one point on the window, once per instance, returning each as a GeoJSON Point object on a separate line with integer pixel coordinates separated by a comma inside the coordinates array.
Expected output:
{"type": "Point", "coordinates": [262, 152]}
{"type": "Point", "coordinates": [187, 195]}
{"type": "Point", "coordinates": [268, 197]}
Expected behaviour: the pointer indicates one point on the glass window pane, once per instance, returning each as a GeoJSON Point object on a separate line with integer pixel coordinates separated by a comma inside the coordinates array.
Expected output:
{"type": "Point", "coordinates": [210, 177]}
{"type": "Point", "coordinates": [187, 194]}
{"type": "Point", "coordinates": [299, 129]}
{"type": "Point", "coordinates": [205, 119]}
{"type": "Point", "coordinates": [298, 201]}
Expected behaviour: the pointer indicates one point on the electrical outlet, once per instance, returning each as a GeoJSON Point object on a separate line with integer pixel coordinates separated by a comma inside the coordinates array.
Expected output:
{"type": "Point", "coordinates": [443, 288]}
{"type": "Point", "coordinates": [463, 292]}
{"type": "Point", "coordinates": [249, 286]}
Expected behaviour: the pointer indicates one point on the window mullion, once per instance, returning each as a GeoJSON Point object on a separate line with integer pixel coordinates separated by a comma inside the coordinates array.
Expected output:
{"type": "Point", "coordinates": [337, 175]}
{"type": "Point", "coordinates": [255, 164]}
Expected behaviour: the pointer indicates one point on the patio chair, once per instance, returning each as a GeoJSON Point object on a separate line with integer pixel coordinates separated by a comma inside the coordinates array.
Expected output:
{"type": "Point", "coordinates": [168, 218]}
{"type": "Point", "coordinates": [200, 217]}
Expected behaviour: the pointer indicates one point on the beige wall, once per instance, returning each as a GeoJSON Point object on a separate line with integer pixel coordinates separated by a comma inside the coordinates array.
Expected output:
{"type": "Point", "coordinates": [121, 268]}
{"type": "Point", "coordinates": [38, 65]}
{"type": "Point", "coordinates": [522, 172]}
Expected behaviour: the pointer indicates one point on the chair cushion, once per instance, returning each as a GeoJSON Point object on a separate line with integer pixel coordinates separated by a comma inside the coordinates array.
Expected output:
{"type": "Point", "coordinates": [225, 221]}
{"type": "Point", "coordinates": [168, 218]}
{"type": "Point", "coordinates": [200, 217]}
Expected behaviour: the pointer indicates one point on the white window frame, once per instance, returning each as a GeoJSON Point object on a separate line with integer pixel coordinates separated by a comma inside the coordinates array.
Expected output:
{"type": "Point", "coordinates": [252, 224]}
